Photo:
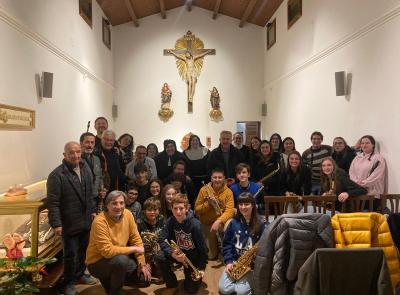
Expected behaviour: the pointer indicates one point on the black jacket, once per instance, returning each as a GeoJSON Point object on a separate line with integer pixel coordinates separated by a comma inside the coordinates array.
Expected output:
{"type": "Point", "coordinates": [113, 176]}
{"type": "Point", "coordinates": [188, 236]}
{"type": "Point", "coordinates": [260, 170]}
{"type": "Point", "coordinates": [345, 272]}
{"type": "Point", "coordinates": [299, 183]}
{"type": "Point", "coordinates": [283, 248]}
{"type": "Point", "coordinates": [344, 158]}
{"type": "Point", "coordinates": [216, 160]}
{"type": "Point", "coordinates": [70, 201]}
{"type": "Point", "coordinates": [245, 150]}
{"type": "Point", "coordinates": [345, 184]}
{"type": "Point", "coordinates": [394, 225]}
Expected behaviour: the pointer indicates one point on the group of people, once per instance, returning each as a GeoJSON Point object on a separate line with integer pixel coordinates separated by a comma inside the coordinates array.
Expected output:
{"type": "Point", "coordinates": [127, 217]}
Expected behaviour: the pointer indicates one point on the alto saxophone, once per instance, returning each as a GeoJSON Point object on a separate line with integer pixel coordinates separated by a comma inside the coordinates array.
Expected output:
{"type": "Point", "coordinates": [269, 175]}
{"type": "Point", "coordinates": [243, 265]}
{"type": "Point", "coordinates": [150, 243]}
{"type": "Point", "coordinates": [197, 274]}
{"type": "Point", "coordinates": [332, 190]}
{"type": "Point", "coordinates": [213, 202]}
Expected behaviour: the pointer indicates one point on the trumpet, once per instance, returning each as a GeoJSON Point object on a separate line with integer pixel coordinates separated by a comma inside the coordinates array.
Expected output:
{"type": "Point", "coordinates": [197, 274]}
{"type": "Point", "coordinates": [269, 175]}
{"type": "Point", "coordinates": [212, 201]}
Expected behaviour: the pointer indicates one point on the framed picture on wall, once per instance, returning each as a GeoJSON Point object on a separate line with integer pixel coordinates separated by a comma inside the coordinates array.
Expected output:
{"type": "Point", "coordinates": [294, 11]}
{"type": "Point", "coordinates": [271, 33]}
{"type": "Point", "coordinates": [106, 33]}
{"type": "Point", "coordinates": [85, 11]}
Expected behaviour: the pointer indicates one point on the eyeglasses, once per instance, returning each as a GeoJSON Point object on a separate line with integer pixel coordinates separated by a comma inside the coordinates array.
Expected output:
{"type": "Point", "coordinates": [133, 194]}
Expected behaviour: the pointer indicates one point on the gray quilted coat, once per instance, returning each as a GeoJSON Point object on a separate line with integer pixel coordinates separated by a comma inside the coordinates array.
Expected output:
{"type": "Point", "coordinates": [283, 248]}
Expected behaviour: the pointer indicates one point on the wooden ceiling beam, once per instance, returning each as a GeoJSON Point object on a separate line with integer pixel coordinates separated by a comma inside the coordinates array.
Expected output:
{"type": "Point", "coordinates": [189, 5]}
{"type": "Point", "coordinates": [129, 6]}
{"type": "Point", "coordinates": [247, 12]}
{"type": "Point", "coordinates": [216, 8]}
{"type": "Point", "coordinates": [162, 9]}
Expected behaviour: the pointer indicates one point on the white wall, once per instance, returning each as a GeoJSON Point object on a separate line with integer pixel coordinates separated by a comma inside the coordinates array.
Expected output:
{"type": "Point", "coordinates": [141, 69]}
{"type": "Point", "coordinates": [27, 156]}
{"type": "Point", "coordinates": [360, 37]}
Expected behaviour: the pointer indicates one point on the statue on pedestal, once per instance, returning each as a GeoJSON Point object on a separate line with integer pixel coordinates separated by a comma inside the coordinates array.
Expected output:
{"type": "Point", "coordinates": [165, 112]}
{"type": "Point", "coordinates": [215, 113]}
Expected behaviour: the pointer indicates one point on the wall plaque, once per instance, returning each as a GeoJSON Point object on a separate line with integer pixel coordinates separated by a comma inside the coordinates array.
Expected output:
{"type": "Point", "coordinates": [16, 118]}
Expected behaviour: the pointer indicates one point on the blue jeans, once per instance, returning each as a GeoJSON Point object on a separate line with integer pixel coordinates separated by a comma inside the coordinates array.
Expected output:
{"type": "Point", "coordinates": [315, 188]}
{"type": "Point", "coordinates": [74, 255]}
{"type": "Point", "coordinates": [241, 287]}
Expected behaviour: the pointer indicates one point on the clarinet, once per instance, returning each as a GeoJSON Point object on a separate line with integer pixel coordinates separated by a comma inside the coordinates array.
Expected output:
{"type": "Point", "coordinates": [88, 126]}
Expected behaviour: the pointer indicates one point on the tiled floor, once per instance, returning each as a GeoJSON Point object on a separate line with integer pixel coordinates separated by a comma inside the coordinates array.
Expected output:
{"type": "Point", "coordinates": [209, 286]}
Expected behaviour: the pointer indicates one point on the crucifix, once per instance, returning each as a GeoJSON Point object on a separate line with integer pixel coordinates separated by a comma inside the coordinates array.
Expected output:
{"type": "Point", "coordinates": [189, 53]}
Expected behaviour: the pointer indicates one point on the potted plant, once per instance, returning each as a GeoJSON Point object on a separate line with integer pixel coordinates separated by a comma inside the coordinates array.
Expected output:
{"type": "Point", "coordinates": [18, 275]}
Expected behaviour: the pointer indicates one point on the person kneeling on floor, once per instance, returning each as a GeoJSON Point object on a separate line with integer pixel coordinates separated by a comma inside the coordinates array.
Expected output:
{"type": "Point", "coordinates": [115, 254]}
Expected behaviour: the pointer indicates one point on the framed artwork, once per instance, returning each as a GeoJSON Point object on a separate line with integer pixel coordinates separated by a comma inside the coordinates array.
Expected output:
{"type": "Point", "coordinates": [85, 11]}
{"type": "Point", "coordinates": [106, 33]}
{"type": "Point", "coordinates": [271, 33]}
{"type": "Point", "coordinates": [294, 11]}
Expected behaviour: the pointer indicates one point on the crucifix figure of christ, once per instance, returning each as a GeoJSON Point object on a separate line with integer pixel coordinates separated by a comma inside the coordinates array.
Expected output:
{"type": "Point", "coordinates": [189, 53]}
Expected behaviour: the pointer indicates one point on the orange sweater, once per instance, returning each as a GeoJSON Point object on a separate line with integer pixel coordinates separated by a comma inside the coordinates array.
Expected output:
{"type": "Point", "coordinates": [109, 238]}
{"type": "Point", "coordinates": [207, 213]}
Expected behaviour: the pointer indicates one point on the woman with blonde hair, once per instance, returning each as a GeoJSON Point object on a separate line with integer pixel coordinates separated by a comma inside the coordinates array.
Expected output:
{"type": "Point", "coordinates": [335, 181]}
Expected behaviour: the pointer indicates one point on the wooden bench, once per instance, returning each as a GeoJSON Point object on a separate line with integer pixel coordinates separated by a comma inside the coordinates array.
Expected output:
{"type": "Point", "coordinates": [280, 204]}
{"type": "Point", "coordinates": [320, 204]}
{"type": "Point", "coordinates": [357, 204]}
{"type": "Point", "coordinates": [394, 202]}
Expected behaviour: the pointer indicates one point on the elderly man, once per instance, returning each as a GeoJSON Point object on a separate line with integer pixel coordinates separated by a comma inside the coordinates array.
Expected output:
{"type": "Point", "coordinates": [70, 201]}
{"type": "Point", "coordinates": [113, 177]}
{"type": "Point", "coordinates": [113, 239]}
{"type": "Point", "coordinates": [225, 157]}
{"type": "Point", "coordinates": [140, 157]}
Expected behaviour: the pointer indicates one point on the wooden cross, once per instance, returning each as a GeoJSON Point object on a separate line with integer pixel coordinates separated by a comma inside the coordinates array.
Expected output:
{"type": "Point", "coordinates": [189, 55]}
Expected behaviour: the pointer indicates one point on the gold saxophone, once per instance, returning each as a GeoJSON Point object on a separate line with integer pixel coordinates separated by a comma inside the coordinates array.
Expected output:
{"type": "Point", "coordinates": [243, 265]}
{"type": "Point", "coordinates": [150, 243]}
{"type": "Point", "coordinates": [332, 190]}
{"type": "Point", "coordinates": [197, 274]}
{"type": "Point", "coordinates": [269, 175]}
{"type": "Point", "coordinates": [213, 202]}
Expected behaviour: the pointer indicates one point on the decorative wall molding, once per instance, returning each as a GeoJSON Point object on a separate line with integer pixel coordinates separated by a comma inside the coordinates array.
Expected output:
{"type": "Point", "coordinates": [346, 40]}
{"type": "Point", "coordinates": [40, 40]}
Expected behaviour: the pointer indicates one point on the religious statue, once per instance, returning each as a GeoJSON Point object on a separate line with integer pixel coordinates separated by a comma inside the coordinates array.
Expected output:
{"type": "Point", "coordinates": [189, 53]}
{"type": "Point", "coordinates": [215, 113]}
{"type": "Point", "coordinates": [185, 141]}
{"type": "Point", "coordinates": [166, 112]}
